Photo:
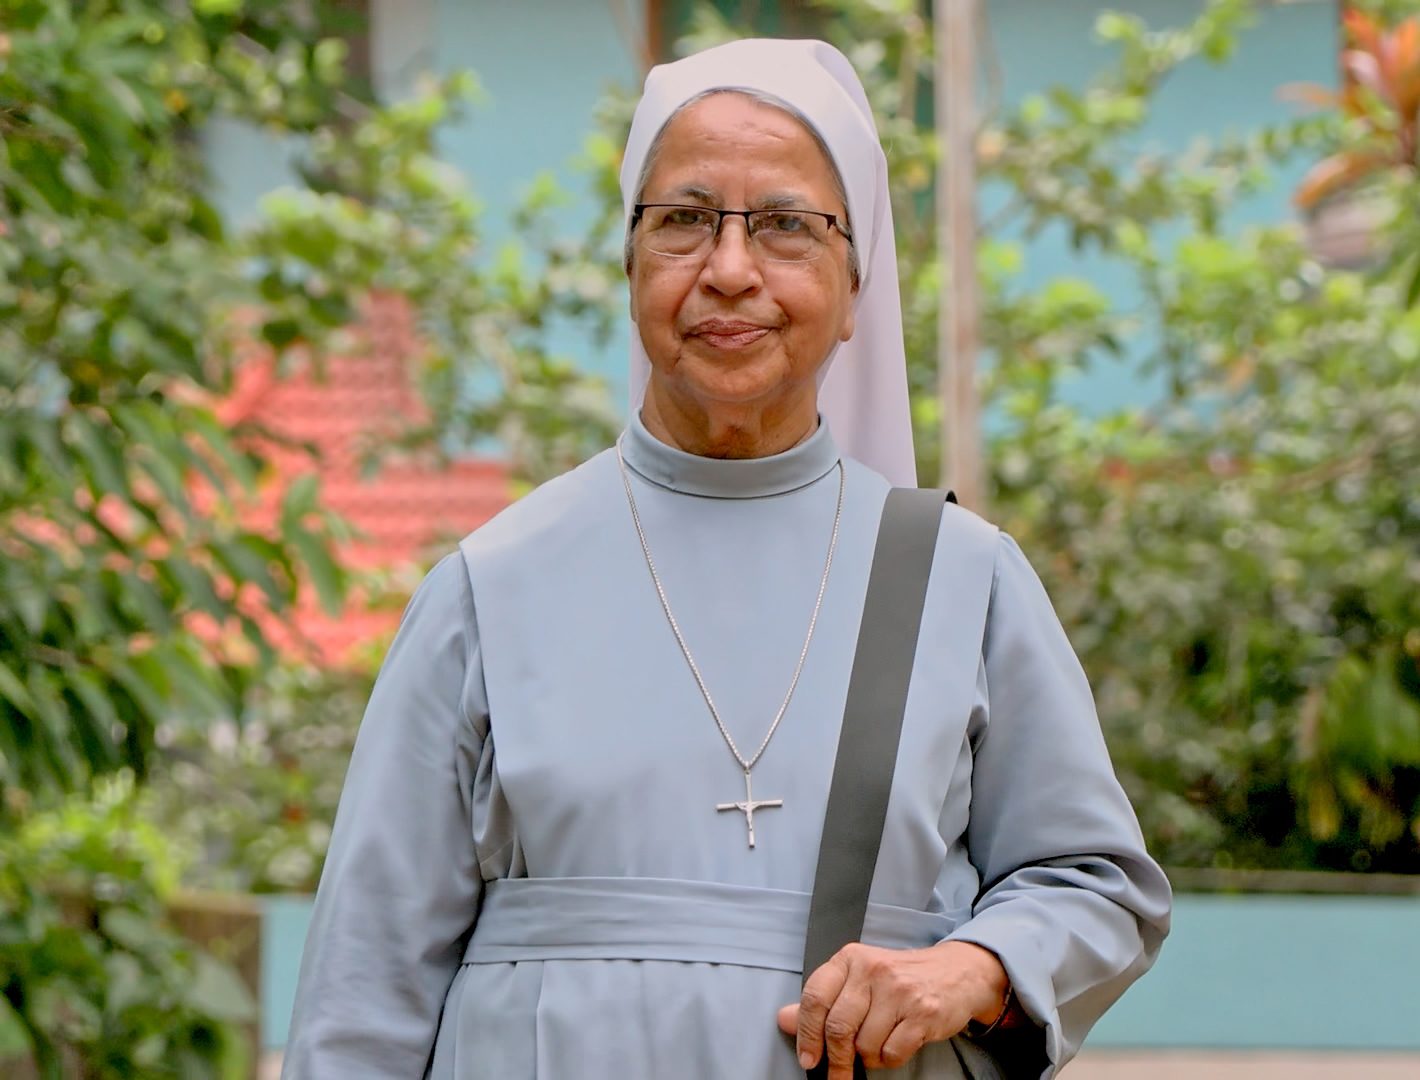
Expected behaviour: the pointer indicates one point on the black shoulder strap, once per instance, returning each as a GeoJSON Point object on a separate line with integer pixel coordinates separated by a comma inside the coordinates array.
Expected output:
{"type": "Point", "coordinates": [872, 726]}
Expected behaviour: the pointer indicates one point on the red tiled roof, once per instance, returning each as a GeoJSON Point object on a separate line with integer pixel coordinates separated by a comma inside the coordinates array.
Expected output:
{"type": "Point", "coordinates": [406, 512]}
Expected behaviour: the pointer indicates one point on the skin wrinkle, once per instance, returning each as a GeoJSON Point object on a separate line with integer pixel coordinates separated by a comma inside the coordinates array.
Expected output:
{"type": "Point", "coordinates": [756, 398]}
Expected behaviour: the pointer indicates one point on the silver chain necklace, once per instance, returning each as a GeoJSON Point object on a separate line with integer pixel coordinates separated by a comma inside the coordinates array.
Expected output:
{"type": "Point", "coordinates": [750, 804]}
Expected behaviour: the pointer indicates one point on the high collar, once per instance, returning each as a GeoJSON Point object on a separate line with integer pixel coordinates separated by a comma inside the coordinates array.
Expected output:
{"type": "Point", "coordinates": [728, 478]}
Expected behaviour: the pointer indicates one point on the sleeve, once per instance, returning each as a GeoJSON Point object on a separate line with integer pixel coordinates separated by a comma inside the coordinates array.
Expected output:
{"type": "Point", "coordinates": [1071, 902]}
{"type": "Point", "coordinates": [401, 886]}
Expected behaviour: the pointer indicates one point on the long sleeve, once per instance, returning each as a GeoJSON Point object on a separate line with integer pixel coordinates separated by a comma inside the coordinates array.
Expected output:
{"type": "Point", "coordinates": [401, 884]}
{"type": "Point", "coordinates": [1071, 902]}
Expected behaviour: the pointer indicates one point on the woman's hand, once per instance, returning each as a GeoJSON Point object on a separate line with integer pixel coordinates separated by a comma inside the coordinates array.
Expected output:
{"type": "Point", "coordinates": [886, 1004]}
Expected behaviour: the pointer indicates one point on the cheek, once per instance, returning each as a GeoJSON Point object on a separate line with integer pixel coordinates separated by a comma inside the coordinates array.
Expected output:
{"type": "Point", "coordinates": [818, 314]}
{"type": "Point", "coordinates": [655, 303]}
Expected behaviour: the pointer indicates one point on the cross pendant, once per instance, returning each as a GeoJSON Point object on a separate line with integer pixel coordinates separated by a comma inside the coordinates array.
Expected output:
{"type": "Point", "coordinates": [749, 806]}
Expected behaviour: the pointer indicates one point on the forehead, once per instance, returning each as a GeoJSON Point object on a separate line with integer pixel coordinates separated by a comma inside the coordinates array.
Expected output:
{"type": "Point", "coordinates": [736, 147]}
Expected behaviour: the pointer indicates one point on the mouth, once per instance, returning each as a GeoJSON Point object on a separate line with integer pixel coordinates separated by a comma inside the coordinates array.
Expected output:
{"type": "Point", "coordinates": [729, 333]}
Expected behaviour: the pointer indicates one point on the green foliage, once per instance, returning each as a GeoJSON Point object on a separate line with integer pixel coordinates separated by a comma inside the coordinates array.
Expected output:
{"type": "Point", "coordinates": [1237, 563]}
{"type": "Point", "coordinates": [94, 983]}
{"type": "Point", "coordinates": [129, 577]}
{"type": "Point", "coordinates": [252, 807]}
{"type": "Point", "coordinates": [128, 580]}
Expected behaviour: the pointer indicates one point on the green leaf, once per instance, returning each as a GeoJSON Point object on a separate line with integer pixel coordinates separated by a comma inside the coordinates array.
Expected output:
{"type": "Point", "coordinates": [301, 497]}
{"type": "Point", "coordinates": [323, 571]}
{"type": "Point", "coordinates": [43, 435]}
{"type": "Point", "coordinates": [195, 586]}
{"type": "Point", "coordinates": [156, 451]}
{"type": "Point", "coordinates": [31, 604]}
{"type": "Point", "coordinates": [130, 930]}
{"type": "Point", "coordinates": [152, 1051]}
{"type": "Point", "coordinates": [280, 333]}
{"type": "Point", "coordinates": [137, 597]}
{"type": "Point", "coordinates": [193, 682]}
{"type": "Point", "coordinates": [243, 563]}
{"type": "Point", "coordinates": [219, 441]}
{"type": "Point", "coordinates": [52, 716]}
{"type": "Point", "coordinates": [14, 1039]}
{"type": "Point", "coordinates": [148, 689]}
{"type": "Point", "coordinates": [64, 1009]}
{"type": "Point", "coordinates": [105, 466]}
{"type": "Point", "coordinates": [218, 992]}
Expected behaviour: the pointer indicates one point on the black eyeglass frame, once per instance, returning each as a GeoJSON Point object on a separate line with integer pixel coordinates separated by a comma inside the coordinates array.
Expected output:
{"type": "Point", "coordinates": [833, 223]}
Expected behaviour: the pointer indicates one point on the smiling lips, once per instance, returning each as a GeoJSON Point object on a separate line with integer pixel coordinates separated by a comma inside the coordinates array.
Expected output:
{"type": "Point", "coordinates": [729, 333]}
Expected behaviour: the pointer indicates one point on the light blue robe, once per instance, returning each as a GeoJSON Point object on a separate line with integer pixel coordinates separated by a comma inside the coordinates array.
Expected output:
{"type": "Point", "coordinates": [528, 876]}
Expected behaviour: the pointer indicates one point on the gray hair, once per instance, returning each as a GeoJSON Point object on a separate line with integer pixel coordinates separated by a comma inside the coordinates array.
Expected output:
{"type": "Point", "coordinates": [762, 98]}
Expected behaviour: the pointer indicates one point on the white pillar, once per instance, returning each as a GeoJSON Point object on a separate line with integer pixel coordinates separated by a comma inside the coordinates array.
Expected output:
{"type": "Point", "coordinates": [954, 26]}
{"type": "Point", "coordinates": [401, 45]}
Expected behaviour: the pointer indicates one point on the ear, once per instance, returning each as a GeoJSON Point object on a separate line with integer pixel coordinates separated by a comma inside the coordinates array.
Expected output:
{"type": "Point", "coordinates": [631, 293]}
{"type": "Point", "coordinates": [849, 316]}
{"type": "Point", "coordinates": [849, 320]}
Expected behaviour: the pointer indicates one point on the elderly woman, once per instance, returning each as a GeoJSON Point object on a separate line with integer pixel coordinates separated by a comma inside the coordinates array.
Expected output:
{"type": "Point", "coordinates": [581, 824]}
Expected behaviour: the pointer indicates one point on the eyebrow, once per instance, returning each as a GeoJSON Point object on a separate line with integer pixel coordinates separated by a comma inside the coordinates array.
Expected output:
{"type": "Point", "coordinates": [696, 192]}
{"type": "Point", "coordinates": [773, 201]}
{"type": "Point", "coordinates": [780, 201]}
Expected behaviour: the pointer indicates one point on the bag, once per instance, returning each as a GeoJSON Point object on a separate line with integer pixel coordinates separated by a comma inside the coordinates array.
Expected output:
{"type": "Point", "coordinates": [872, 723]}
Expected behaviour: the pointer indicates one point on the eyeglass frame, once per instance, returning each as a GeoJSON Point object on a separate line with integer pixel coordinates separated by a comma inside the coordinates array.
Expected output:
{"type": "Point", "coordinates": [639, 209]}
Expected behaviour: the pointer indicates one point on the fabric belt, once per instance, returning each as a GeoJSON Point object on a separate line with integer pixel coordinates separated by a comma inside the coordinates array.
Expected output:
{"type": "Point", "coordinates": [588, 918]}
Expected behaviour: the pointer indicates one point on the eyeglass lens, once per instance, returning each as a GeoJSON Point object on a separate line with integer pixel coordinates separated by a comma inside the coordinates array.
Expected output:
{"type": "Point", "coordinates": [784, 235]}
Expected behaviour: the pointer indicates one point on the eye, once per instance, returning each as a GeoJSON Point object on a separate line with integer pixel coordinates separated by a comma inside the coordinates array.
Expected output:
{"type": "Point", "coordinates": [683, 217]}
{"type": "Point", "coordinates": [786, 223]}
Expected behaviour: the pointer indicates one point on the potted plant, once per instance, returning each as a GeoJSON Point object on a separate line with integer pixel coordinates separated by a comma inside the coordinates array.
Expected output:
{"type": "Point", "coordinates": [1345, 197]}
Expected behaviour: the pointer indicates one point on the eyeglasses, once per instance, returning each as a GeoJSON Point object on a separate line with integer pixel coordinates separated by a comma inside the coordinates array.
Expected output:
{"type": "Point", "coordinates": [685, 232]}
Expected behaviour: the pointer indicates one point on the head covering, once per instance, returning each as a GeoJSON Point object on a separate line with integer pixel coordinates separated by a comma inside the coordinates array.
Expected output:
{"type": "Point", "coordinates": [863, 386]}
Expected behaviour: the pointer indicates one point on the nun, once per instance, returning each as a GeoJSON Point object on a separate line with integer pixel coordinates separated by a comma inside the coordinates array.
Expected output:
{"type": "Point", "coordinates": [581, 826]}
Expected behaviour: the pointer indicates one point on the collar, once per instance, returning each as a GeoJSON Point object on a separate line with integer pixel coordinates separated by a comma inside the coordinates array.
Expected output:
{"type": "Point", "coordinates": [728, 478]}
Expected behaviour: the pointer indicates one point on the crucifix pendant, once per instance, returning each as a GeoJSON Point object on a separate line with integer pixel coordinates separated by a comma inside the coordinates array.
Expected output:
{"type": "Point", "coordinates": [749, 806]}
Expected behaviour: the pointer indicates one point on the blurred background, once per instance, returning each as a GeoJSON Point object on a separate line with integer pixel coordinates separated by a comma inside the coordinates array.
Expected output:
{"type": "Point", "coordinates": [294, 295]}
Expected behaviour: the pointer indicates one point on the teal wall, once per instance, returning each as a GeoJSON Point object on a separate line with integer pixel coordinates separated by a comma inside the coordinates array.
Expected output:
{"type": "Point", "coordinates": [1298, 972]}
{"type": "Point", "coordinates": [1039, 45]}
{"type": "Point", "coordinates": [1238, 972]}
{"type": "Point", "coordinates": [544, 64]}
{"type": "Point", "coordinates": [284, 920]}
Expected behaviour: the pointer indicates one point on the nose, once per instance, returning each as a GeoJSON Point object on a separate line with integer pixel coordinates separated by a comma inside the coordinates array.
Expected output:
{"type": "Point", "coordinates": [731, 268]}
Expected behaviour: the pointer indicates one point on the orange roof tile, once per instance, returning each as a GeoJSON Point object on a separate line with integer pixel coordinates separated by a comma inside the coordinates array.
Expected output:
{"type": "Point", "coordinates": [403, 510]}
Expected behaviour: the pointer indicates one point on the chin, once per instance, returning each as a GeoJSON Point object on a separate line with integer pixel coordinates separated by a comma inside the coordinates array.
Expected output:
{"type": "Point", "coordinates": [739, 393]}
{"type": "Point", "coordinates": [736, 380]}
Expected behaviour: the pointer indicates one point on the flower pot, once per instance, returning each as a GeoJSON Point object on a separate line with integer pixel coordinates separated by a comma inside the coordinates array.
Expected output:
{"type": "Point", "coordinates": [1348, 230]}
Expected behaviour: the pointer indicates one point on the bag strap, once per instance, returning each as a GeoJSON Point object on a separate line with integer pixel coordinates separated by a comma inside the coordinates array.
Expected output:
{"type": "Point", "coordinates": [872, 726]}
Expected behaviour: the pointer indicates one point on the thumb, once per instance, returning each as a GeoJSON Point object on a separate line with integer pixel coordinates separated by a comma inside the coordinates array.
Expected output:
{"type": "Point", "coordinates": [789, 1019]}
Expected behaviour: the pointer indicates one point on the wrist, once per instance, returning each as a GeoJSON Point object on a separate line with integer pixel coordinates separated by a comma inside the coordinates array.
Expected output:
{"type": "Point", "coordinates": [986, 978]}
{"type": "Point", "coordinates": [997, 1001]}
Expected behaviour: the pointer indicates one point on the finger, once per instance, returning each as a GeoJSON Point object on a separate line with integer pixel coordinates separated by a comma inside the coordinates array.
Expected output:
{"type": "Point", "coordinates": [906, 1039]}
{"type": "Point", "coordinates": [873, 1032]}
{"type": "Point", "coordinates": [840, 1029]}
{"type": "Point", "coordinates": [820, 992]}
{"type": "Point", "coordinates": [789, 1019]}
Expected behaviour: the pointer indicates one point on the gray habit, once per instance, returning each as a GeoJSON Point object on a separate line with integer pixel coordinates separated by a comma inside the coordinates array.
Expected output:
{"type": "Point", "coordinates": [528, 876]}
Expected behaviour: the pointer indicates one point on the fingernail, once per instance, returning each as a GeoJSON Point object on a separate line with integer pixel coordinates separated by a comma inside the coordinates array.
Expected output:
{"type": "Point", "coordinates": [806, 1060]}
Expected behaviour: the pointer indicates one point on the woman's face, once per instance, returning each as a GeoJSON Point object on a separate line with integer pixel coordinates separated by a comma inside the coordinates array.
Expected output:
{"type": "Point", "coordinates": [732, 331]}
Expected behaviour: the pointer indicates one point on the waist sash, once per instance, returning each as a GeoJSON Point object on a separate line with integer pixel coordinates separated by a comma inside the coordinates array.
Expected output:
{"type": "Point", "coordinates": [592, 918]}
